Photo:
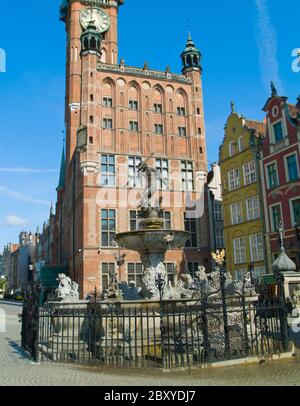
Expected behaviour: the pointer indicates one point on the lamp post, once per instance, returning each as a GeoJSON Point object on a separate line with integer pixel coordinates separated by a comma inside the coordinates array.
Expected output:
{"type": "Point", "coordinates": [160, 284]}
{"type": "Point", "coordinates": [256, 145]}
{"type": "Point", "coordinates": [251, 270]}
{"type": "Point", "coordinates": [219, 258]}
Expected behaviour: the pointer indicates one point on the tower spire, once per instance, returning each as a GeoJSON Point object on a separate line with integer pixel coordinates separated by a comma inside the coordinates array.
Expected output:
{"type": "Point", "coordinates": [61, 183]}
{"type": "Point", "coordinates": [273, 89]}
{"type": "Point", "coordinates": [191, 56]}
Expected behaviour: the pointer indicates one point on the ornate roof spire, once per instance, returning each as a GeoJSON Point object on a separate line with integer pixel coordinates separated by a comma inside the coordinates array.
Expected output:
{"type": "Point", "coordinates": [191, 56]}
{"type": "Point", "coordinates": [273, 89]}
{"type": "Point", "coordinates": [61, 183]}
{"type": "Point", "coordinates": [232, 105]}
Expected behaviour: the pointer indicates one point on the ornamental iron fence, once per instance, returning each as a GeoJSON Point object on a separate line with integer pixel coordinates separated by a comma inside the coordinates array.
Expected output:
{"type": "Point", "coordinates": [162, 334]}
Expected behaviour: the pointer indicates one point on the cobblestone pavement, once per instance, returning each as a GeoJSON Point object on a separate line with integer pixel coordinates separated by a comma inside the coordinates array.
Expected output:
{"type": "Point", "coordinates": [17, 369]}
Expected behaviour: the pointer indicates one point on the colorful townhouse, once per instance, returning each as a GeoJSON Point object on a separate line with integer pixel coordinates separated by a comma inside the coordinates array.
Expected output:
{"type": "Point", "coordinates": [242, 206]}
{"type": "Point", "coordinates": [280, 168]}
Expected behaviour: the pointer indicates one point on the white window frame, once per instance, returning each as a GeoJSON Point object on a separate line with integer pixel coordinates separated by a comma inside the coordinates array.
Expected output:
{"type": "Point", "coordinates": [133, 105]}
{"type": "Point", "coordinates": [236, 213]}
{"type": "Point", "coordinates": [287, 175]}
{"type": "Point", "coordinates": [105, 122]}
{"type": "Point", "coordinates": [256, 247]}
{"type": "Point", "coordinates": [231, 147]}
{"type": "Point", "coordinates": [162, 166]}
{"type": "Point", "coordinates": [267, 173]}
{"type": "Point", "coordinates": [158, 129]}
{"type": "Point", "coordinates": [292, 216]}
{"type": "Point", "coordinates": [273, 131]}
{"type": "Point", "coordinates": [239, 251]}
{"type": "Point", "coordinates": [134, 126]}
{"type": "Point", "coordinates": [107, 102]}
{"type": "Point", "coordinates": [241, 142]}
{"type": "Point", "coordinates": [220, 238]}
{"type": "Point", "coordinates": [236, 179]}
{"type": "Point", "coordinates": [187, 176]}
{"type": "Point", "coordinates": [218, 212]}
{"type": "Point", "coordinates": [271, 215]}
{"type": "Point", "coordinates": [252, 208]}
{"type": "Point", "coordinates": [248, 173]}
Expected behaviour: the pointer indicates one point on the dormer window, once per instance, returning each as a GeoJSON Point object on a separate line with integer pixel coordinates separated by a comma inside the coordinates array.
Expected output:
{"type": "Point", "coordinates": [278, 132]}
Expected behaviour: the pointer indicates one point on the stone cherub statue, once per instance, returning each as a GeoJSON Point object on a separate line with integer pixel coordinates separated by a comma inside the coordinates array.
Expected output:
{"type": "Point", "coordinates": [67, 290]}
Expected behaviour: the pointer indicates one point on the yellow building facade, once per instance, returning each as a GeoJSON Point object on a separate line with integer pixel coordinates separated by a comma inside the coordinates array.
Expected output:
{"type": "Point", "coordinates": [243, 210]}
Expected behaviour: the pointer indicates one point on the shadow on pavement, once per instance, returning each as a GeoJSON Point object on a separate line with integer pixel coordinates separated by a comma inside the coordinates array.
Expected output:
{"type": "Point", "coordinates": [18, 350]}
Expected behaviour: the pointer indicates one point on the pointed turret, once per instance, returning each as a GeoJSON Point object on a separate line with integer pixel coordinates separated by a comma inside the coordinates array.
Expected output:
{"type": "Point", "coordinates": [191, 56]}
{"type": "Point", "coordinates": [61, 183]}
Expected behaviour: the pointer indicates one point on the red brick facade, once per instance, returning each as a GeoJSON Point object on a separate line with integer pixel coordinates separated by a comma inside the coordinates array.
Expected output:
{"type": "Point", "coordinates": [135, 105]}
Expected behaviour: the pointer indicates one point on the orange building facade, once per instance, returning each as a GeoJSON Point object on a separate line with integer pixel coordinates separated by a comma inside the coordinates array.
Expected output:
{"type": "Point", "coordinates": [117, 116]}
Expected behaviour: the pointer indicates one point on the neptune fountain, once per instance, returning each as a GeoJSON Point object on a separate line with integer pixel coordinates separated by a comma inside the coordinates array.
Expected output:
{"type": "Point", "coordinates": [152, 240]}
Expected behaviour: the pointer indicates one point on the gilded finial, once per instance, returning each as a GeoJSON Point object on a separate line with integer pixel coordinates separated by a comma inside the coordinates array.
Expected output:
{"type": "Point", "coordinates": [219, 257]}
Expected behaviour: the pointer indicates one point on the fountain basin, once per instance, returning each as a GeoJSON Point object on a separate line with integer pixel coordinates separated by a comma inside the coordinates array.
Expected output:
{"type": "Point", "coordinates": [153, 241]}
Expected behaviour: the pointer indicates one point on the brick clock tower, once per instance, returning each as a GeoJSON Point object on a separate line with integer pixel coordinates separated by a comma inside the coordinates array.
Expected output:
{"type": "Point", "coordinates": [117, 116]}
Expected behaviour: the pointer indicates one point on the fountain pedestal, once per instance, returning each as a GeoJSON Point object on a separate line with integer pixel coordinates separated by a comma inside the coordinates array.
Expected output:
{"type": "Point", "coordinates": [152, 241]}
{"type": "Point", "coordinates": [152, 246]}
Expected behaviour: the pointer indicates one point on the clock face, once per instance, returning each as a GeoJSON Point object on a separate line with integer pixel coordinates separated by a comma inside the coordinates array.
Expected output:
{"type": "Point", "coordinates": [100, 19]}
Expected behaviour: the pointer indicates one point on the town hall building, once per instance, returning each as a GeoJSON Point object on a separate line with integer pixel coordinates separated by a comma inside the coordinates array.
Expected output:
{"type": "Point", "coordinates": [116, 117]}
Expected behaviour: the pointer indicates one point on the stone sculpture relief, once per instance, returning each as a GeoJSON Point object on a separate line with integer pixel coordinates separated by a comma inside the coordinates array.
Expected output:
{"type": "Point", "coordinates": [67, 290]}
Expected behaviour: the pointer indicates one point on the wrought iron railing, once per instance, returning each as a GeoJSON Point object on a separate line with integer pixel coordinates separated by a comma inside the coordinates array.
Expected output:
{"type": "Point", "coordinates": [167, 334]}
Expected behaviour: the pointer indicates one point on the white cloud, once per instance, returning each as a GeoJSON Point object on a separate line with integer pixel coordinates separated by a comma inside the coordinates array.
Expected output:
{"type": "Point", "coordinates": [15, 221]}
{"type": "Point", "coordinates": [20, 196]}
{"type": "Point", "coordinates": [267, 45]}
{"type": "Point", "coordinates": [27, 170]}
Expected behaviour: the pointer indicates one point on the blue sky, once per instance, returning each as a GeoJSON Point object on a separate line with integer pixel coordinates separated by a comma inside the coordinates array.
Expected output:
{"type": "Point", "coordinates": [245, 44]}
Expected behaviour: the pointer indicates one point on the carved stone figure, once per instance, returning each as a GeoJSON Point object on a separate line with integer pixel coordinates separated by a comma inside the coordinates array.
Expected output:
{"type": "Point", "coordinates": [296, 296]}
{"type": "Point", "coordinates": [67, 290]}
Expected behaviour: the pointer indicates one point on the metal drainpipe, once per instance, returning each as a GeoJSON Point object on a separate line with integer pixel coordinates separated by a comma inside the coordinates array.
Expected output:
{"type": "Point", "coordinates": [213, 219]}
{"type": "Point", "coordinates": [255, 148]}
{"type": "Point", "coordinates": [74, 217]}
